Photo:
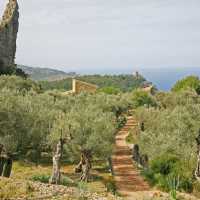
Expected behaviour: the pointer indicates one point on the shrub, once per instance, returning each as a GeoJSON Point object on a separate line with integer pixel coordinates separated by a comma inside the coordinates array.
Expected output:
{"type": "Point", "coordinates": [41, 178]}
{"type": "Point", "coordinates": [149, 176]}
{"type": "Point", "coordinates": [110, 185]}
{"type": "Point", "coordinates": [190, 82]}
{"type": "Point", "coordinates": [66, 181]}
{"type": "Point", "coordinates": [121, 121]}
{"type": "Point", "coordinates": [142, 98]}
{"type": "Point", "coordinates": [196, 188]}
{"type": "Point", "coordinates": [186, 184]}
{"type": "Point", "coordinates": [173, 184]}
{"type": "Point", "coordinates": [164, 164]}
{"type": "Point", "coordinates": [82, 186]}
{"type": "Point", "coordinates": [21, 85]}
{"type": "Point", "coordinates": [110, 90]}
{"type": "Point", "coordinates": [166, 171]}
{"type": "Point", "coordinates": [131, 138]}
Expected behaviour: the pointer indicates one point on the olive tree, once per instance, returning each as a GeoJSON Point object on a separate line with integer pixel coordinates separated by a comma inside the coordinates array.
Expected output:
{"type": "Point", "coordinates": [142, 98]}
{"type": "Point", "coordinates": [172, 131]}
{"type": "Point", "coordinates": [189, 82]}
{"type": "Point", "coordinates": [25, 122]}
{"type": "Point", "coordinates": [88, 131]}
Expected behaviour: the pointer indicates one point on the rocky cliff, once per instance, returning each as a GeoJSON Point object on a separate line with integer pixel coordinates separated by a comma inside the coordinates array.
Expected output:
{"type": "Point", "coordinates": [8, 33]}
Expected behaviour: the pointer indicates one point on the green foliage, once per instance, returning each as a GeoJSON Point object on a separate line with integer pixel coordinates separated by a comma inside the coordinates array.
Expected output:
{"type": "Point", "coordinates": [6, 70]}
{"type": "Point", "coordinates": [149, 176]}
{"type": "Point", "coordinates": [169, 137]}
{"type": "Point", "coordinates": [131, 138]}
{"type": "Point", "coordinates": [25, 121]}
{"type": "Point", "coordinates": [31, 121]}
{"type": "Point", "coordinates": [66, 181]}
{"type": "Point", "coordinates": [190, 82]}
{"type": "Point", "coordinates": [25, 117]}
{"type": "Point", "coordinates": [89, 128]}
{"type": "Point", "coordinates": [164, 164]}
{"type": "Point", "coordinates": [21, 73]}
{"type": "Point", "coordinates": [121, 121]}
{"type": "Point", "coordinates": [110, 90]}
{"type": "Point", "coordinates": [173, 183]}
{"type": "Point", "coordinates": [170, 100]}
{"type": "Point", "coordinates": [110, 185]}
{"type": "Point", "coordinates": [18, 84]}
{"type": "Point", "coordinates": [167, 181]}
{"type": "Point", "coordinates": [108, 83]}
{"type": "Point", "coordinates": [142, 98]}
{"type": "Point", "coordinates": [62, 85]}
{"type": "Point", "coordinates": [82, 186]}
{"type": "Point", "coordinates": [41, 178]}
{"type": "Point", "coordinates": [11, 70]}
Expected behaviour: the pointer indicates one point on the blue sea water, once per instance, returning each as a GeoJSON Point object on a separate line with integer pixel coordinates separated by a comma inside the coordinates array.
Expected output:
{"type": "Point", "coordinates": [164, 78]}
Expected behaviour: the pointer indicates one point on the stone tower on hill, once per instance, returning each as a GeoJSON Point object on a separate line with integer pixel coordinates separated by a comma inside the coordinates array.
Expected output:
{"type": "Point", "coordinates": [8, 31]}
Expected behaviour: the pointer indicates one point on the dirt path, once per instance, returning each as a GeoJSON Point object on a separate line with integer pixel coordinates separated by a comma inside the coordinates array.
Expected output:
{"type": "Point", "coordinates": [127, 177]}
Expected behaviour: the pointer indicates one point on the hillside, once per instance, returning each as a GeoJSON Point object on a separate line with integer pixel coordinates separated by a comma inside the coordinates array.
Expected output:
{"type": "Point", "coordinates": [37, 73]}
{"type": "Point", "coordinates": [124, 83]}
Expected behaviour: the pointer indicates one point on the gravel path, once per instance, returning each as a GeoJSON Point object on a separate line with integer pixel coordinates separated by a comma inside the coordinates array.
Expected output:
{"type": "Point", "coordinates": [129, 182]}
{"type": "Point", "coordinates": [127, 177]}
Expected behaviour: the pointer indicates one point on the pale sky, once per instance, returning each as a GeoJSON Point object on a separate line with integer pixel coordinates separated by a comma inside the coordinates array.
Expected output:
{"type": "Point", "coordinates": [109, 35]}
{"type": "Point", "coordinates": [2, 7]}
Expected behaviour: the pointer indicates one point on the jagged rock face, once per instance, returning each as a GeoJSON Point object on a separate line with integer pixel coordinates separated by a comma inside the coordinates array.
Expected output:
{"type": "Point", "coordinates": [8, 33]}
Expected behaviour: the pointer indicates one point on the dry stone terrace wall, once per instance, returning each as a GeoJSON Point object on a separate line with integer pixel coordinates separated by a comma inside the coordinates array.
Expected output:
{"type": "Point", "coordinates": [80, 86]}
{"type": "Point", "coordinates": [8, 33]}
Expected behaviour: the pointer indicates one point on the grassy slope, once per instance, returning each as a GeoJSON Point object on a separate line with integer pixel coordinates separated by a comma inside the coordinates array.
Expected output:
{"type": "Point", "coordinates": [22, 174]}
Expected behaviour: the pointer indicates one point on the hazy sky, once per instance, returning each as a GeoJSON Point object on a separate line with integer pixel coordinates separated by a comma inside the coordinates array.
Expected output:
{"type": "Point", "coordinates": [2, 7]}
{"type": "Point", "coordinates": [109, 35]}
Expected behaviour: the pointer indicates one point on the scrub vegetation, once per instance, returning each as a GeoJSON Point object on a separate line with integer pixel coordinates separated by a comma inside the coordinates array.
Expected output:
{"type": "Point", "coordinates": [77, 133]}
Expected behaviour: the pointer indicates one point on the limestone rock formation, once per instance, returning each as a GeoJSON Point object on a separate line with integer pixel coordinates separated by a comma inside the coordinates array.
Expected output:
{"type": "Point", "coordinates": [8, 33]}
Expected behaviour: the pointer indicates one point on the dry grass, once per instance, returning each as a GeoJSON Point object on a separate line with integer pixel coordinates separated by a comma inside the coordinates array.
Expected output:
{"type": "Point", "coordinates": [25, 171]}
{"type": "Point", "coordinates": [13, 189]}
{"type": "Point", "coordinates": [20, 185]}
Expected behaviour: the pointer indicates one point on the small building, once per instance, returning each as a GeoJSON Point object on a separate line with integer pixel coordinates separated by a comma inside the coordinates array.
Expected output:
{"type": "Point", "coordinates": [148, 87]}
{"type": "Point", "coordinates": [80, 86]}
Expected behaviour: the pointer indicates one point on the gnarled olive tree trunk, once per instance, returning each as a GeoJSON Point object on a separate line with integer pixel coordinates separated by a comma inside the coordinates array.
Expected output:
{"type": "Point", "coordinates": [142, 126]}
{"type": "Point", "coordinates": [85, 165]}
{"type": "Point", "coordinates": [79, 167]}
{"type": "Point", "coordinates": [110, 165]}
{"type": "Point", "coordinates": [2, 160]}
{"type": "Point", "coordinates": [8, 162]}
{"type": "Point", "coordinates": [56, 175]}
{"type": "Point", "coordinates": [136, 153]}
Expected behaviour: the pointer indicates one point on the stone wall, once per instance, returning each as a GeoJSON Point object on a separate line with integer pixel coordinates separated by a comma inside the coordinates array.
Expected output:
{"type": "Point", "coordinates": [8, 34]}
{"type": "Point", "coordinates": [80, 86]}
